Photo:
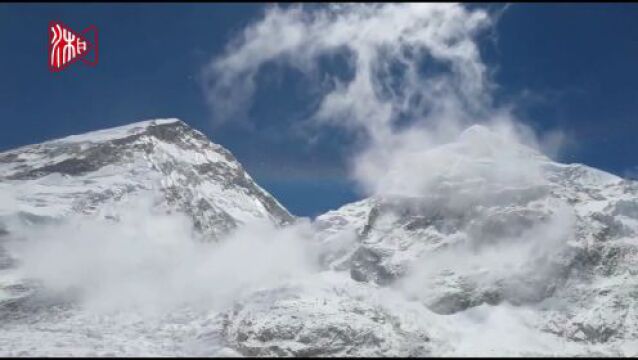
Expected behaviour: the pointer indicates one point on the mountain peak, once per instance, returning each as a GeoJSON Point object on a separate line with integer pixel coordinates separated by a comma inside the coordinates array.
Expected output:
{"type": "Point", "coordinates": [122, 131]}
{"type": "Point", "coordinates": [82, 153]}
{"type": "Point", "coordinates": [176, 163]}
{"type": "Point", "coordinates": [477, 131]}
{"type": "Point", "coordinates": [482, 139]}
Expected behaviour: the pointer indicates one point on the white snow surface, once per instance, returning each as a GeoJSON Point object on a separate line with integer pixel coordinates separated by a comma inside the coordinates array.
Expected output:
{"type": "Point", "coordinates": [211, 265]}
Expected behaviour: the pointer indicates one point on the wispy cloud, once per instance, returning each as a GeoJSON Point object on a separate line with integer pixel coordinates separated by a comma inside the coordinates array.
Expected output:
{"type": "Point", "coordinates": [385, 44]}
{"type": "Point", "coordinates": [418, 81]}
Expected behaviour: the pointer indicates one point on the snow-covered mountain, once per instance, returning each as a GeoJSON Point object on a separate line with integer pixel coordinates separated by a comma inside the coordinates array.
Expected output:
{"type": "Point", "coordinates": [100, 174]}
{"type": "Point", "coordinates": [506, 253]}
{"type": "Point", "coordinates": [501, 251]}
{"type": "Point", "coordinates": [182, 169]}
{"type": "Point", "coordinates": [563, 244]}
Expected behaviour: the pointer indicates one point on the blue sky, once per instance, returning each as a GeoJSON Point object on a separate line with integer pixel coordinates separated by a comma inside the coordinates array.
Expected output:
{"type": "Point", "coordinates": [571, 67]}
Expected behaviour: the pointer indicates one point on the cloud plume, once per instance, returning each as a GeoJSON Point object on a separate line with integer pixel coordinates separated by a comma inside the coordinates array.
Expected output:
{"type": "Point", "coordinates": [151, 261]}
{"type": "Point", "coordinates": [418, 81]}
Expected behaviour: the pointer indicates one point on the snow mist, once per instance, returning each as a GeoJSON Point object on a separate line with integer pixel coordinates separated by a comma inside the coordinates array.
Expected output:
{"type": "Point", "coordinates": [152, 262]}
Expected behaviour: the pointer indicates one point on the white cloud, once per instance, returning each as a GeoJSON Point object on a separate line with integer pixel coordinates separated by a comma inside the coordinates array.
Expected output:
{"type": "Point", "coordinates": [150, 261]}
{"type": "Point", "coordinates": [419, 80]}
{"type": "Point", "coordinates": [376, 37]}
